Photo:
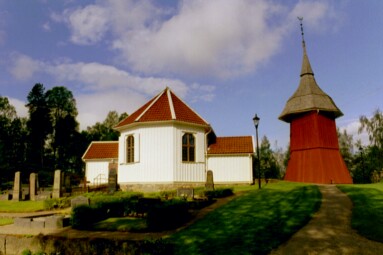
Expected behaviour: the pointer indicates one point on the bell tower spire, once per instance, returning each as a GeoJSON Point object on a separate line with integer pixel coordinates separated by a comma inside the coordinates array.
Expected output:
{"type": "Point", "coordinates": [306, 67]}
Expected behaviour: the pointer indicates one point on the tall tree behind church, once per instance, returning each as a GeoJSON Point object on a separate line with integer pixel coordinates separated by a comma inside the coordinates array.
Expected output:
{"type": "Point", "coordinates": [39, 126]}
{"type": "Point", "coordinates": [62, 140]}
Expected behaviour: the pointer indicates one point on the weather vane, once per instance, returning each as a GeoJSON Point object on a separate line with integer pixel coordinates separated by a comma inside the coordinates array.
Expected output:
{"type": "Point", "coordinates": [300, 21]}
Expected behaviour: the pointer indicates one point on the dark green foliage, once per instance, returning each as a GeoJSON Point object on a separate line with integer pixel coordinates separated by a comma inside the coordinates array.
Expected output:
{"type": "Point", "coordinates": [219, 193]}
{"type": "Point", "coordinates": [56, 203]}
{"type": "Point", "coordinates": [168, 215]}
{"type": "Point", "coordinates": [83, 217]}
{"type": "Point", "coordinates": [103, 207]}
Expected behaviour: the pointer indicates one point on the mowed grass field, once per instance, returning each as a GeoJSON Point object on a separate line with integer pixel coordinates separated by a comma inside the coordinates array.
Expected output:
{"type": "Point", "coordinates": [367, 209]}
{"type": "Point", "coordinates": [253, 223]}
{"type": "Point", "coordinates": [21, 207]}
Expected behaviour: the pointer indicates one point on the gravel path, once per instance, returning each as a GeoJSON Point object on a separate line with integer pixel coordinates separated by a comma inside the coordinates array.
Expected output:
{"type": "Point", "coordinates": [329, 232]}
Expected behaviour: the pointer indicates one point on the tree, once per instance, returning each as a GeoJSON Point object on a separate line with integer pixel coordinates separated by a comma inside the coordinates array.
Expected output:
{"type": "Point", "coordinates": [346, 147]}
{"type": "Point", "coordinates": [374, 128]}
{"type": "Point", "coordinates": [369, 162]}
{"type": "Point", "coordinates": [63, 112]}
{"type": "Point", "coordinates": [39, 125]}
{"type": "Point", "coordinates": [269, 165]}
{"type": "Point", "coordinates": [12, 139]}
{"type": "Point", "coordinates": [104, 131]}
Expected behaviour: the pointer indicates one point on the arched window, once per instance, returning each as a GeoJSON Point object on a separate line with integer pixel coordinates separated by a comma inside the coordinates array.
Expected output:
{"type": "Point", "coordinates": [188, 148]}
{"type": "Point", "coordinates": [130, 149]}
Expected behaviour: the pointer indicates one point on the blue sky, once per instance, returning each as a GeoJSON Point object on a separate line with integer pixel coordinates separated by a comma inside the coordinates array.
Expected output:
{"type": "Point", "coordinates": [227, 59]}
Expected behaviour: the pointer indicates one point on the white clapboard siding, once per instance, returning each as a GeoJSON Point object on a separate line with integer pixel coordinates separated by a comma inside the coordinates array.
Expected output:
{"type": "Point", "coordinates": [160, 155]}
{"type": "Point", "coordinates": [97, 169]}
{"type": "Point", "coordinates": [156, 160]}
{"type": "Point", "coordinates": [231, 169]}
{"type": "Point", "coordinates": [195, 171]}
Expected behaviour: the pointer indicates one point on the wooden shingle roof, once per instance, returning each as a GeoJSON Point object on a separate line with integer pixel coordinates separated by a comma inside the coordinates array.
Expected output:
{"type": "Point", "coordinates": [232, 145]}
{"type": "Point", "coordinates": [309, 96]}
{"type": "Point", "coordinates": [101, 150]}
{"type": "Point", "coordinates": [166, 106]}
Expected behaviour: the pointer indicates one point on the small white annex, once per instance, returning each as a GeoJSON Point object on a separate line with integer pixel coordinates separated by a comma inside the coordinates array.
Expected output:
{"type": "Point", "coordinates": [165, 143]}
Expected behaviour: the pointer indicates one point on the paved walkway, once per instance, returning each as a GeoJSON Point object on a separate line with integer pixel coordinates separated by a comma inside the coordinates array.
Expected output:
{"type": "Point", "coordinates": [330, 232]}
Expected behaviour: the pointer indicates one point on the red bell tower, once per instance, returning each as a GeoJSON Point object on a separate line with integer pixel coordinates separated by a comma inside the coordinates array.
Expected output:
{"type": "Point", "coordinates": [314, 148]}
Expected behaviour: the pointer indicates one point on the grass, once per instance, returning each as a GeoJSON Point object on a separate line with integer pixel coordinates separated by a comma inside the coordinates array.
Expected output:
{"type": "Point", "coordinates": [253, 223]}
{"type": "Point", "coordinates": [22, 206]}
{"type": "Point", "coordinates": [6, 221]}
{"type": "Point", "coordinates": [367, 211]}
{"type": "Point", "coordinates": [121, 224]}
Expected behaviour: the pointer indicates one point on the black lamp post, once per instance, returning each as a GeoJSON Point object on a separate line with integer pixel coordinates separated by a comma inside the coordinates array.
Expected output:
{"type": "Point", "coordinates": [256, 123]}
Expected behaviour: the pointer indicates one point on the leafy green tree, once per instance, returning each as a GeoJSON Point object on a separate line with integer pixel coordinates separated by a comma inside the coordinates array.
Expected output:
{"type": "Point", "coordinates": [63, 113]}
{"type": "Point", "coordinates": [104, 131]}
{"type": "Point", "coordinates": [346, 147]}
{"type": "Point", "coordinates": [269, 165]}
{"type": "Point", "coordinates": [39, 126]}
{"type": "Point", "coordinates": [374, 128]}
{"type": "Point", "coordinates": [12, 139]}
{"type": "Point", "coordinates": [373, 154]}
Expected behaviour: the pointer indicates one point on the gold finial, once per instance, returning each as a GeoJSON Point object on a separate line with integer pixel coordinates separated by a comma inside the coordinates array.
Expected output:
{"type": "Point", "coordinates": [303, 38]}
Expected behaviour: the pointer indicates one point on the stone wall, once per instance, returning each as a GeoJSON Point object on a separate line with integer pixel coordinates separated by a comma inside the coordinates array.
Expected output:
{"type": "Point", "coordinates": [15, 245]}
{"type": "Point", "coordinates": [158, 187]}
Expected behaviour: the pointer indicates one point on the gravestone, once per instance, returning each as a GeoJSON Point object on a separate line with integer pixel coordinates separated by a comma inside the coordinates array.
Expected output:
{"type": "Point", "coordinates": [112, 177]}
{"type": "Point", "coordinates": [209, 185]}
{"type": "Point", "coordinates": [185, 193]}
{"type": "Point", "coordinates": [16, 196]}
{"type": "Point", "coordinates": [80, 200]}
{"type": "Point", "coordinates": [33, 186]}
{"type": "Point", "coordinates": [57, 185]}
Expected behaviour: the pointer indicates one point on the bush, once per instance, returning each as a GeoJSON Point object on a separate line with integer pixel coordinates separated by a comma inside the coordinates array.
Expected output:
{"type": "Point", "coordinates": [168, 215]}
{"type": "Point", "coordinates": [219, 193]}
{"type": "Point", "coordinates": [83, 217]}
{"type": "Point", "coordinates": [56, 203]}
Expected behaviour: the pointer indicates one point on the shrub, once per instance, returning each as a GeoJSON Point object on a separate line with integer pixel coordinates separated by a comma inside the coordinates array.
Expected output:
{"type": "Point", "coordinates": [83, 217]}
{"type": "Point", "coordinates": [219, 193]}
{"type": "Point", "coordinates": [59, 203]}
{"type": "Point", "coordinates": [168, 215]}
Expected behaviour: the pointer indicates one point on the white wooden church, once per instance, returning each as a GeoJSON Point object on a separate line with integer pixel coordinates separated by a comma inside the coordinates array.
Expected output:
{"type": "Point", "coordinates": [165, 144]}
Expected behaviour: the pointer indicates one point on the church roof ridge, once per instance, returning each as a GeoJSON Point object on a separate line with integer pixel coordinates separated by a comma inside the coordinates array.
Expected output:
{"type": "Point", "coordinates": [166, 106]}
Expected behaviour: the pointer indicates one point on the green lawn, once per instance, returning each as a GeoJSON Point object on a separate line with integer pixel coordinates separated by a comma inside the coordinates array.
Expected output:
{"type": "Point", "coordinates": [121, 224]}
{"type": "Point", "coordinates": [6, 221]}
{"type": "Point", "coordinates": [253, 223]}
{"type": "Point", "coordinates": [367, 211]}
{"type": "Point", "coordinates": [22, 206]}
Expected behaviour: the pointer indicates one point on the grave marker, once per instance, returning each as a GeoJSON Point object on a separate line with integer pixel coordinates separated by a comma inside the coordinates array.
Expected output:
{"type": "Point", "coordinates": [209, 185]}
{"type": "Point", "coordinates": [33, 186]}
{"type": "Point", "coordinates": [112, 177]}
{"type": "Point", "coordinates": [80, 200]}
{"type": "Point", "coordinates": [57, 185]}
{"type": "Point", "coordinates": [16, 196]}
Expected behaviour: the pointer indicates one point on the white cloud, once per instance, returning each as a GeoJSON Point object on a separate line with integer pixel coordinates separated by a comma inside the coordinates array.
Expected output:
{"type": "Point", "coordinates": [352, 127]}
{"type": "Point", "coordinates": [23, 67]}
{"type": "Point", "coordinates": [100, 88]}
{"type": "Point", "coordinates": [217, 38]}
{"type": "Point", "coordinates": [19, 105]}
{"type": "Point", "coordinates": [89, 24]}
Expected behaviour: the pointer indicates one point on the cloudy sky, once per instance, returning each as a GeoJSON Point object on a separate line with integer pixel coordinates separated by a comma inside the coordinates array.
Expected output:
{"type": "Point", "coordinates": [227, 59]}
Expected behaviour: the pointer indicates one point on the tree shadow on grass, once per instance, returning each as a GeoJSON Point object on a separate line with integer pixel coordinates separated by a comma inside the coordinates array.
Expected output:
{"type": "Point", "coordinates": [254, 223]}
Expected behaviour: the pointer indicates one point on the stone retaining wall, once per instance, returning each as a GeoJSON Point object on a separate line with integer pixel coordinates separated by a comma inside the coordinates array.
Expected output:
{"type": "Point", "coordinates": [15, 245]}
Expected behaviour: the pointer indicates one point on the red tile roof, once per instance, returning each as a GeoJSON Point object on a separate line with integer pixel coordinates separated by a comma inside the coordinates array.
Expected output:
{"type": "Point", "coordinates": [102, 150]}
{"type": "Point", "coordinates": [232, 145]}
{"type": "Point", "coordinates": [165, 106]}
